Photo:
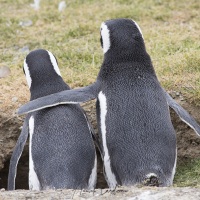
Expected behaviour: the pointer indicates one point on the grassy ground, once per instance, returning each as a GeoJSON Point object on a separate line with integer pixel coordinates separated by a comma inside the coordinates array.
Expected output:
{"type": "Point", "coordinates": [171, 30]}
{"type": "Point", "coordinates": [188, 173]}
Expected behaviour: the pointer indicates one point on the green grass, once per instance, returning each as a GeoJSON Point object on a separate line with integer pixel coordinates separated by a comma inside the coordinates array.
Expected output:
{"type": "Point", "coordinates": [188, 174]}
{"type": "Point", "coordinates": [171, 30]}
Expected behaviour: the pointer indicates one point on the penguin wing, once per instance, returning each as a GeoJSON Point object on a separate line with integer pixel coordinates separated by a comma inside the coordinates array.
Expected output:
{"type": "Point", "coordinates": [74, 96]}
{"type": "Point", "coordinates": [17, 154]}
{"type": "Point", "coordinates": [183, 114]}
{"type": "Point", "coordinates": [95, 137]}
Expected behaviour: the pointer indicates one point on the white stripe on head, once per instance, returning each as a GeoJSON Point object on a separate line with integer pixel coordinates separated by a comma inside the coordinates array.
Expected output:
{"type": "Point", "coordinates": [27, 74]}
{"type": "Point", "coordinates": [54, 63]}
{"type": "Point", "coordinates": [138, 28]}
{"type": "Point", "coordinates": [105, 34]}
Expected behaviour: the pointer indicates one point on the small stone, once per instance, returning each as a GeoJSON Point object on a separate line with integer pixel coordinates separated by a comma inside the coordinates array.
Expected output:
{"type": "Point", "coordinates": [14, 99]}
{"type": "Point", "coordinates": [61, 6]}
{"type": "Point", "coordinates": [4, 71]}
{"type": "Point", "coordinates": [24, 49]}
{"type": "Point", "coordinates": [26, 23]}
{"type": "Point", "coordinates": [36, 4]}
{"type": "Point", "coordinates": [2, 189]}
{"type": "Point", "coordinates": [8, 24]}
{"type": "Point", "coordinates": [173, 94]}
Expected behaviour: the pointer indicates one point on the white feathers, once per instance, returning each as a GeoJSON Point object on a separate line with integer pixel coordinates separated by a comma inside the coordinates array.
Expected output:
{"type": "Point", "coordinates": [61, 6]}
{"type": "Point", "coordinates": [16, 168]}
{"type": "Point", "coordinates": [103, 111]}
{"type": "Point", "coordinates": [34, 183]}
{"type": "Point", "coordinates": [54, 63]}
{"type": "Point", "coordinates": [105, 34]}
{"type": "Point", "coordinates": [36, 4]}
{"type": "Point", "coordinates": [27, 73]}
{"type": "Point", "coordinates": [93, 176]}
{"type": "Point", "coordinates": [151, 175]}
{"type": "Point", "coordinates": [138, 28]}
{"type": "Point", "coordinates": [174, 168]}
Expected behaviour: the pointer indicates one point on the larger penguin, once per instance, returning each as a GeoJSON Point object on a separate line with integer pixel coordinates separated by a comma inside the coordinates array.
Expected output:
{"type": "Point", "coordinates": [137, 136]}
{"type": "Point", "coordinates": [61, 149]}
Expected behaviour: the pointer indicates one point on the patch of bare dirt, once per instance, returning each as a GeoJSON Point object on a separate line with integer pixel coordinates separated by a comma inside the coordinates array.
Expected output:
{"type": "Point", "coordinates": [188, 143]}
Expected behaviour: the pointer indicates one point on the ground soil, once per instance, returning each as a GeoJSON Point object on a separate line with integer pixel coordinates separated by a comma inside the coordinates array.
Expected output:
{"type": "Point", "coordinates": [125, 193]}
{"type": "Point", "coordinates": [10, 127]}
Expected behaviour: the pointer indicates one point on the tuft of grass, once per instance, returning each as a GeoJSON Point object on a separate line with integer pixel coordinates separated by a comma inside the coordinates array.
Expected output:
{"type": "Point", "coordinates": [188, 174]}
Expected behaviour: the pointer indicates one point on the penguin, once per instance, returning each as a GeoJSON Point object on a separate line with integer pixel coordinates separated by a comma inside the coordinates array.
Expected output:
{"type": "Point", "coordinates": [137, 138]}
{"type": "Point", "coordinates": [62, 154]}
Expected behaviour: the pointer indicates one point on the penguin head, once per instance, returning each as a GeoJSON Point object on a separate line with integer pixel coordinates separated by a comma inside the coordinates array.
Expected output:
{"type": "Point", "coordinates": [121, 37]}
{"type": "Point", "coordinates": [42, 73]}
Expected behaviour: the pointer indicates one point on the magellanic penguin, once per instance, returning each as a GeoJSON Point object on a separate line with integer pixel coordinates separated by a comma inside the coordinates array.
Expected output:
{"type": "Point", "coordinates": [137, 137]}
{"type": "Point", "coordinates": [61, 149]}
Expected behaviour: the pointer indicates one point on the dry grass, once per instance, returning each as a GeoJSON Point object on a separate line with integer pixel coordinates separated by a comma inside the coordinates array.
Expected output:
{"type": "Point", "coordinates": [171, 30]}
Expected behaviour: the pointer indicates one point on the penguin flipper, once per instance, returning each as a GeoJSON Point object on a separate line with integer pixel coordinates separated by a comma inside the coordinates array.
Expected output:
{"type": "Point", "coordinates": [74, 96]}
{"type": "Point", "coordinates": [17, 154]}
{"type": "Point", "coordinates": [94, 136]}
{"type": "Point", "coordinates": [183, 114]}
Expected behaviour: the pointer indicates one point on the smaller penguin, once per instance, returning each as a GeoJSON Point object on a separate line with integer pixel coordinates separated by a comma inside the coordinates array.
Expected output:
{"type": "Point", "coordinates": [61, 149]}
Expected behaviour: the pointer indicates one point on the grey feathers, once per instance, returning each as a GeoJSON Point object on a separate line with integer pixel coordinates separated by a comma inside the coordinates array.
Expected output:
{"type": "Point", "coordinates": [61, 148]}
{"type": "Point", "coordinates": [183, 114]}
{"type": "Point", "coordinates": [17, 154]}
{"type": "Point", "coordinates": [73, 97]}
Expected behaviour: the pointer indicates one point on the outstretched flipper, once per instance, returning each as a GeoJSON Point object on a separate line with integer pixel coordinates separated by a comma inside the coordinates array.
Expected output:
{"type": "Point", "coordinates": [183, 114]}
{"type": "Point", "coordinates": [17, 154]}
{"type": "Point", "coordinates": [65, 97]}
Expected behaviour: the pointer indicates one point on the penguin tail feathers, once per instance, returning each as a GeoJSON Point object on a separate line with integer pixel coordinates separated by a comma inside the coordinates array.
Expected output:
{"type": "Point", "coordinates": [151, 180]}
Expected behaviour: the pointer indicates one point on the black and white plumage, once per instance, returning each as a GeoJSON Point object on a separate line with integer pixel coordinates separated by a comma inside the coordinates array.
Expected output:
{"type": "Point", "coordinates": [61, 149]}
{"type": "Point", "coordinates": [137, 138]}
